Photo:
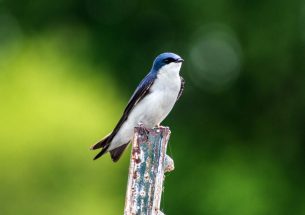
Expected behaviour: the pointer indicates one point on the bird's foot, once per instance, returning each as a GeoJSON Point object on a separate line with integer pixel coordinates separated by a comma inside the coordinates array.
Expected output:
{"type": "Point", "coordinates": [146, 131]}
{"type": "Point", "coordinates": [141, 124]}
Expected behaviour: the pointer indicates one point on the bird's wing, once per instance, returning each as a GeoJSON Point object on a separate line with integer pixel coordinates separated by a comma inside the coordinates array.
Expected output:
{"type": "Point", "coordinates": [181, 87]}
{"type": "Point", "coordinates": [138, 95]}
{"type": "Point", "coordinates": [141, 91]}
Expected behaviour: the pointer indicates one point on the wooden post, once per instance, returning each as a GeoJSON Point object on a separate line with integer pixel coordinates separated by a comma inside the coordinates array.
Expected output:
{"type": "Point", "coordinates": [148, 163]}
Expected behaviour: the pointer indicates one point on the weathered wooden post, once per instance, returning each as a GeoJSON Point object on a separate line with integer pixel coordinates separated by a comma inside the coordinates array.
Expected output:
{"type": "Point", "coordinates": [148, 163]}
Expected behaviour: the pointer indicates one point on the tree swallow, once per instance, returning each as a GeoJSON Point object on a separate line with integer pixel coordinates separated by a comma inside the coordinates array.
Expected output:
{"type": "Point", "coordinates": [151, 102]}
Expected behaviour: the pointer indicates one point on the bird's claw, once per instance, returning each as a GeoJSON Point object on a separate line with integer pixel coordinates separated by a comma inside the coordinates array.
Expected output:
{"type": "Point", "coordinates": [141, 124]}
{"type": "Point", "coordinates": [146, 131]}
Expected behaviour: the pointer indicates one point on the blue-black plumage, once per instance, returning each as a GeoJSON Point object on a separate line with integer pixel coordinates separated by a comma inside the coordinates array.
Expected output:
{"type": "Point", "coordinates": [151, 102]}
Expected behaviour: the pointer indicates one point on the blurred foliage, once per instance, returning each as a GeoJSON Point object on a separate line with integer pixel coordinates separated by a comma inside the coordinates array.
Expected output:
{"type": "Point", "coordinates": [67, 68]}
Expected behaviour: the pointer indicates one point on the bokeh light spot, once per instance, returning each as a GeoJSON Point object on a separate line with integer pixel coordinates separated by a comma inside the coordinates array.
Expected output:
{"type": "Point", "coordinates": [215, 58]}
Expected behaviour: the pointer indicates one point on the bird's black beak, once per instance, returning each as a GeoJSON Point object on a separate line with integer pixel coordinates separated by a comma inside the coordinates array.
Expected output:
{"type": "Point", "coordinates": [179, 60]}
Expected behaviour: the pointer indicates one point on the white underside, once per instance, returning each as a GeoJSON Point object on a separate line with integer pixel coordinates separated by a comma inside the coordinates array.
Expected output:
{"type": "Point", "coordinates": [154, 108]}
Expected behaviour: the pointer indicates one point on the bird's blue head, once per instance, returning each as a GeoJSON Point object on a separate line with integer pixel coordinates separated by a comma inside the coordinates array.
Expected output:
{"type": "Point", "coordinates": [165, 59]}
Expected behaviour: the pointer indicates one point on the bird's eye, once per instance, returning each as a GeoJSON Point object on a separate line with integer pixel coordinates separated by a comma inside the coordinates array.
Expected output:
{"type": "Point", "coordinates": [168, 60]}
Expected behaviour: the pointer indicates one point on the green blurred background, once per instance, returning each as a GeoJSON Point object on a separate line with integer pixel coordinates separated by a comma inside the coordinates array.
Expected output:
{"type": "Point", "coordinates": [67, 69]}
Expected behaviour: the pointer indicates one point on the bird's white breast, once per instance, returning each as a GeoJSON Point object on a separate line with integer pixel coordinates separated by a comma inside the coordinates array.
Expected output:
{"type": "Point", "coordinates": [163, 95]}
{"type": "Point", "coordinates": [152, 109]}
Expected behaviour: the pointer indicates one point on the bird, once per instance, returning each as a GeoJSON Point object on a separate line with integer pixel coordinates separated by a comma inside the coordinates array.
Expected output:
{"type": "Point", "coordinates": [148, 106]}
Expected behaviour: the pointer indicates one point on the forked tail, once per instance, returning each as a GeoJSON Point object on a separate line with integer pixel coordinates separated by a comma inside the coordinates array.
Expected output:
{"type": "Point", "coordinates": [104, 143]}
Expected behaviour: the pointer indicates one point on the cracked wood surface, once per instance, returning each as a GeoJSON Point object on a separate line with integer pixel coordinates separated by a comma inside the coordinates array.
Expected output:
{"type": "Point", "coordinates": [148, 163]}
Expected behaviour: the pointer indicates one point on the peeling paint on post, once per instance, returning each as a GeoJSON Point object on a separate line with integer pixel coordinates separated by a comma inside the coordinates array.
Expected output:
{"type": "Point", "coordinates": [148, 163]}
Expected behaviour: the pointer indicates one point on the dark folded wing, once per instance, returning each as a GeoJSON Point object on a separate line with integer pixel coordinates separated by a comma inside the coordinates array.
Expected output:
{"type": "Point", "coordinates": [138, 95]}
{"type": "Point", "coordinates": [181, 88]}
